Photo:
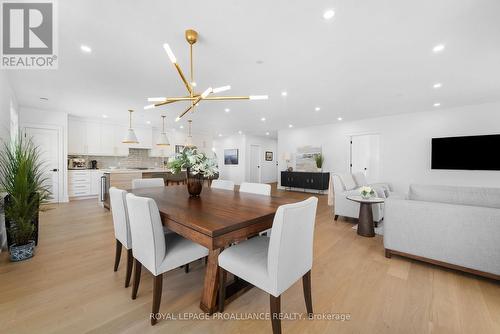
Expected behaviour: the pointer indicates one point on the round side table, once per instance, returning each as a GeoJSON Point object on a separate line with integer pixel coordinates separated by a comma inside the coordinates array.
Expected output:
{"type": "Point", "coordinates": [366, 227]}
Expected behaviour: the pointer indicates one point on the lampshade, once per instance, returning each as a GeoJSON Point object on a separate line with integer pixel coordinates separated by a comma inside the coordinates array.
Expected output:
{"type": "Point", "coordinates": [163, 140]}
{"type": "Point", "coordinates": [131, 138]}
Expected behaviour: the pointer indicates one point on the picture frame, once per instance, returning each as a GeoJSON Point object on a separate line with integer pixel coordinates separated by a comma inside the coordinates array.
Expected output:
{"type": "Point", "coordinates": [269, 156]}
{"type": "Point", "coordinates": [179, 149]}
{"type": "Point", "coordinates": [231, 156]}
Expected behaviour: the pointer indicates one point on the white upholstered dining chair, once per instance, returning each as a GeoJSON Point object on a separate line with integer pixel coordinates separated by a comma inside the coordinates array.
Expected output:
{"type": "Point", "coordinates": [122, 229]}
{"type": "Point", "coordinates": [222, 184]}
{"type": "Point", "coordinates": [255, 188]}
{"type": "Point", "coordinates": [148, 183]}
{"type": "Point", "coordinates": [156, 251]}
{"type": "Point", "coordinates": [274, 264]}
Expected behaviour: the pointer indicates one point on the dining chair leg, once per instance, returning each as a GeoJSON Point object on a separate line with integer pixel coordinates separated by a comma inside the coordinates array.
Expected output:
{"type": "Point", "coordinates": [275, 313]}
{"type": "Point", "coordinates": [222, 289]}
{"type": "Point", "coordinates": [118, 254]}
{"type": "Point", "coordinates": [157, 287]}
{"type": "Point", "coordinates": [306, 285]}
{"type": "Point", "coordinates": [137, 278]}
{"type": "Point", "coordinates": [186, 268]}
{"type": "Point", "coordinates": [130, 262]}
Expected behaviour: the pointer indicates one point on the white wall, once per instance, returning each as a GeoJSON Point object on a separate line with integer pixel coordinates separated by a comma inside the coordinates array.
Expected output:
{"type": "Point", "coordinates": [405, 143]}
{"type": "Point", "coordinates": [235, 173]}
{"type": "Point", "coordinates": [268, 169]}
{"type": "Point", "coordinates": [32, 116]}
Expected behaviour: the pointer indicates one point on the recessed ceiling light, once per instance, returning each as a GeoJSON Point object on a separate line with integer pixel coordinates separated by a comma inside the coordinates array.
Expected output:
{"type": "Point", "coordinates": [263, 119]}
{"type": "Point", "coordinates": [317, 109]}
{"type": "Point", "coordinates": [437, 104]}
{"type": "Point", "coordinates": [44, 98]}
{"type": "Point", "coordinates": [267, 133]}
{"type": "Point", "coordinates": [227, 110]}
{"type": "Point", "coordinates": [339, 118]}
{"type": "Point", "coordinates": [104, 116]}
{"type": "Point", "coordinates": [283, 93]}
{"type": "Point", "coordinates": [193, 83]}
{"type": "Point", "coordinates": [220, 134]}
{"type": "Point", "coordinates": [290, 125]}
{"type": "Point", "coordinates": [328, 14]}
{"type": "Point", "coordinates": [85, 48]}
{"type": "Point", "coordinates": [438, 85]}
{"type": "Point", "coordinates": [438, 48]}
{"type": "Point", "coordinates": [181, 127]}
{"type": "Point", "coordinates": [148, 122]}
{"type": "Point", "coordinates": [240, 132]}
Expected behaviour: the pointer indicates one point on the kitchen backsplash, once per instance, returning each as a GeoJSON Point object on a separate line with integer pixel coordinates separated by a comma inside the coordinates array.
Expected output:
{"type": "Point", "coordinates": [137, 158]}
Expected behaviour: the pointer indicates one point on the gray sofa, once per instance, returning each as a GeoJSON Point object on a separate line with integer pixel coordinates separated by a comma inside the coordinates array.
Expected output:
{"type": "Point", "coordinates": [456, 227]}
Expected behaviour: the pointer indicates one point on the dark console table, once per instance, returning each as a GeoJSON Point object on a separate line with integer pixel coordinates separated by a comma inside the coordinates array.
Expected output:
{"type": "Point", "coordinates": [305, 180]}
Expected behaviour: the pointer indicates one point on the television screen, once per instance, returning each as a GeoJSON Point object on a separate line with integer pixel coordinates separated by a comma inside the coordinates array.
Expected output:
{"type": "Point", "coordinates": [466, 153]}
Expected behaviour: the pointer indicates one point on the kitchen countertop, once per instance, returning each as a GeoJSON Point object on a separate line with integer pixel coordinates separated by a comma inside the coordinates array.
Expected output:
{"type": "Point", "coordinates": [121, 170]}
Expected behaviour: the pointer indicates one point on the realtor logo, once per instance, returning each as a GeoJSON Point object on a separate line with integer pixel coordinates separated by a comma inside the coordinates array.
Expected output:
{"type": "Point", "coordinates": [28, 35]}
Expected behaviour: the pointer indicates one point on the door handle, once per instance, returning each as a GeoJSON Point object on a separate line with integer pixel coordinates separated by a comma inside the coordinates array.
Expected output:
{"type": "Point", "coordinates": [55, 170]}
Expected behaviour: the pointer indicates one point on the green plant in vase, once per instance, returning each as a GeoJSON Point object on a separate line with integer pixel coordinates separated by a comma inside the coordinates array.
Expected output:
{"type": "Point", "coordinates": [21, 177]}
{"type": "Point", "coordinates": [319, 160]}
{"type": "Point", "coordinates": [198, 168]}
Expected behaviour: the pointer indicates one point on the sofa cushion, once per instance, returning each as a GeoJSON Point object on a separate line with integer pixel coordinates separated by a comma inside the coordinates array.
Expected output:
{"type": "Point", "coordinates": [348, 181]}
{"type": "Point", "coordinates": [475, 196]}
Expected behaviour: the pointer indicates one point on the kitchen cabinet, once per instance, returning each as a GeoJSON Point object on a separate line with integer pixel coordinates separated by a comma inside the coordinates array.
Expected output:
{"type": "Point", "coordinates": [95, 182]}
{"type": "Point", "coordinates": [93, 138]}
{"type": "Point", "coordinates": [107, 143]}
{"type": "Point", "coordinates": [76, 136]}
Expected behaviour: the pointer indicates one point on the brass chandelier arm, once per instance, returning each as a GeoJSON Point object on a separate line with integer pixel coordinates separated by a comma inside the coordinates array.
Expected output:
{"type": "Point", "coordinates": [198, 99]}
{"type": "Point", "coordinates": [218, 98]}
{"type": "Point", "coordinates": [183, 78]}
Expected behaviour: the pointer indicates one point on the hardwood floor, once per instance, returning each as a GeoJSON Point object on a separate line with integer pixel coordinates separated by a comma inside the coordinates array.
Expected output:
{"type": "Point", "coordinates": [70, 287]}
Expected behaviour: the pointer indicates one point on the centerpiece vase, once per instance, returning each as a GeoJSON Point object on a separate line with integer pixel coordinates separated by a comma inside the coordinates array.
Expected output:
{"type": "Point", "coordinates": [194, 183]}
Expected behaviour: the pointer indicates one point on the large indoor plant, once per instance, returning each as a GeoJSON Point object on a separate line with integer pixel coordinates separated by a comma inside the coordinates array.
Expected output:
{"type": "Point", "coordinates": [198, 168]}
{"type": "Point", "coordinates": [319, 161]}
{"type": "Point", "coordinates": [21, 178]}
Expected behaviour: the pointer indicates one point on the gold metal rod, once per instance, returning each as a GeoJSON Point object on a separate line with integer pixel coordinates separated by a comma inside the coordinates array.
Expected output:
{"type": "Point", "coordinates": [188, 86]}
{"type": "Point", "coordinates": [191, 61]}
{"type": "Point", "coordinates": [227, 98]}
{"type": "Point", "coordinates": [191, 106]}
{"type": "Point", "coordinates": [163, 103]}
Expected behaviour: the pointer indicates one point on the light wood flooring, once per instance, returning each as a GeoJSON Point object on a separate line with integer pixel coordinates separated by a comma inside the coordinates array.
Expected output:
{"type": "Point", "coordinates": [70, 287]}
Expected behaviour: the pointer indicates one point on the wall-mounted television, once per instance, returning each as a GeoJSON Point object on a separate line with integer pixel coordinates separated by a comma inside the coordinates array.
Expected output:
{"type": "Point", "coordinates": [466, 153]}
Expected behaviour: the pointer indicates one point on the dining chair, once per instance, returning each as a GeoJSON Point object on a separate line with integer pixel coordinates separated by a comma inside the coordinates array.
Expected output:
{"type": "Point", "coordinates": [148, 183]}
{"type": "Point", "coordinates": [122, 229]}
{"type": "Point", "coordinates": [156, 251]}
{"type": "Point", "coordinates": [255, 188]}
{"type": "Point", "coordinates": [274, 264]}
{"type": "Point", "coordinates": [222, 184]}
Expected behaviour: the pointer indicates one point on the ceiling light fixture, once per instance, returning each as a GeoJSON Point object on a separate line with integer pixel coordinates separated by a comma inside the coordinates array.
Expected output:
{"type": "Point", "coordinates": [290, 125]}
{"type": "Point", "coordinates": [317, 109]}
{"type": "Point", "coordinates": [328, 14]}
{"type": "Point", "coordinates": [227, 110]}
{"type": "Point", "coordinates": [163, 139]}
{"type": "Point", "coordinates": [131, 138]}
{"type": "Point", "coordinates": [44, 98]}
{"type": "Point", "coordinates": [240, 132]}
{"type": "Point", "coordinates": [220, 134]}
{"type": "Point", "coordinates": [438, 48]}
{"type": "Point", "coordinates": [148, 122]}
{"type": "Point", "coordinates": [284, 93]}
{"type": "Point", "coordinates": [437, 85]}
{"type": "Point", "coordinates": [181, 127]}
{"type": "Point", "coordinates": [194, 98]}
{"type": "Point", "coordinates": [263, 119]}
{"type": "Point", "coordinates": [267, 133]}
{"type": "Point", "coordinates": [104, 116]}
{"type": "Point", "coordinates": [339, 118]}
{"type": "Point", "coordinates": [437, 104]}
{"type": "Point", "coordinates": [85, 48]}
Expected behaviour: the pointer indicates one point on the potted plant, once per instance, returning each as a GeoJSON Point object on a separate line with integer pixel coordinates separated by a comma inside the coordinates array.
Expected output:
{"type": "Point", "coordinates": [366, 192]}
{"type": "Point", "coordinates": [22, 179]}
{"type": "Point", "coordinates": [198, 167]}
{"type": "Point", "coordinates": [319, 161]}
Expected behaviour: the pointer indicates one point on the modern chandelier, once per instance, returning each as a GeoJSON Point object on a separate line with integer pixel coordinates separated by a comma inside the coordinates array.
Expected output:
{"type": "Point", "coordinates": [193, 97]}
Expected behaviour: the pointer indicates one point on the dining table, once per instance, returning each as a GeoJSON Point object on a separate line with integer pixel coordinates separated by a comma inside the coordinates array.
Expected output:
{"type": "Point", "coordinates": [216, 219]}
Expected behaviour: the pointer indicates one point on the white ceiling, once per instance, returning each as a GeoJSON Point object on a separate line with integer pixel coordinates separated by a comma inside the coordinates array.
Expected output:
{"type": "Point", "coordinates": [373, 58]}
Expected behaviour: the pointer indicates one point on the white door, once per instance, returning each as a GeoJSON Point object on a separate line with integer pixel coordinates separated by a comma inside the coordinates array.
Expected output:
{"type": "Point", "coordinates": [255, 163]}
{"type": "Point", "coordinates": [365, 156]}
{"type": "Point", "coordinates": [48, 142]}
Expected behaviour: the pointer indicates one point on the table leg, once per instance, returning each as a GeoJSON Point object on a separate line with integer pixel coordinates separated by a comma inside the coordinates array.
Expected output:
{"type": "Point", "coordinates": [209, 294]}
{"type": "Point", "coordinates": [365, 224]}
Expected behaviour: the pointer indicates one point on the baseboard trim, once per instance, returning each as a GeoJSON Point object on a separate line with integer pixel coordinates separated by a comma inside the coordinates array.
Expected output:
{"type": "Point", "coordinates": [390, 252]}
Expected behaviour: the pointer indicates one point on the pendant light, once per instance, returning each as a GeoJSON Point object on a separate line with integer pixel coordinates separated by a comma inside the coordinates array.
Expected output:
{"type": "Point", "coordinates": [163, 140]}
{"type": "Point", "coordinates": [189, 139]}
{"type": "Point", "coordinates": [131, 138]}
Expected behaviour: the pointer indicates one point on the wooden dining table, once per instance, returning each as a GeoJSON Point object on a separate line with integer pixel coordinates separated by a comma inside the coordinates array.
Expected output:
{"type": "Point", "coordinates": [215, 219]}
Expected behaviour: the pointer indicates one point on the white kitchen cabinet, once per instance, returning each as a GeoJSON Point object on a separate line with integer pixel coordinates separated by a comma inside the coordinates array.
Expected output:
{"type": "Point", "coordinates": [106, 135]}
{"type": "Point", "coordinates": [77, 136]}
{"type": "Point", "coordinates": [95, 181]}
{"type": "Point", "coordinates": [93, 138]}
{"type": "Point", "coordinates": [78, 183]}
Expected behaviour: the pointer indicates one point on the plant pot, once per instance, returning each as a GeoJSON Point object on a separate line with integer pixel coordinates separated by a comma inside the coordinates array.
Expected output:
{"type": "Point", "coordinates": [194, 184]}
{"type": "Point", "coordinates": [23, 252]}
